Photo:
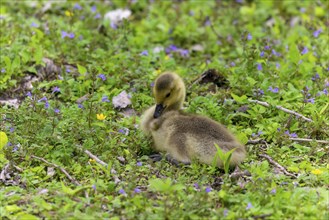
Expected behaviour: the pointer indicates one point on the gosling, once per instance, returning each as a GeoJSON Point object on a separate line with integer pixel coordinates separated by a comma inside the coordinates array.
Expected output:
{"type": "Point", "coordinates": [183, 136]}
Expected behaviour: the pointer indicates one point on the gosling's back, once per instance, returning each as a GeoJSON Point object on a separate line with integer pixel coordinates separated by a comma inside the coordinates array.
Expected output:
{"type": "Point", "coordinates": [186, 137]}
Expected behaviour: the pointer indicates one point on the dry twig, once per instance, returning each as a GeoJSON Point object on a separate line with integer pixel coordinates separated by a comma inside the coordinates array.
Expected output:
{"type": "Point", "coordinates": [72, 179]}
{"type": "Point", "coordinates": [281, 168]}
{"type": "Point", "coordinates": [309, 140]}
{"type": "Point", "coordinates": [282, 109]}
{"type": "Point", "coordinates": [113, 171]}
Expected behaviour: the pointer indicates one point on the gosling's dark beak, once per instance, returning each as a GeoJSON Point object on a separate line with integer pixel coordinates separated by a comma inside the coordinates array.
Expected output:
{"type": "Point", "coordinates": [158, 110]}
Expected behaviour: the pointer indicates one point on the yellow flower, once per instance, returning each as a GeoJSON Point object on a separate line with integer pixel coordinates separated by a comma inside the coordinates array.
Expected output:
{"type": "Point", "coordinates": [316, 172]}
{"type": "Point", "coordinates": [68, 13]}
{"type": "Point", "coordinates": [167, 57]}
{"type": "Point", "coordinates": [100, 116]}
{"type": "Point", "coordinates": [158, 71]}
{"type": "Point", "coordinates": [92, 161]}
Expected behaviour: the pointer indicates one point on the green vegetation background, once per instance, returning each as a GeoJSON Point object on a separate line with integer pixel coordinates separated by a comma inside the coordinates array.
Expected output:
{"type": "Point", "coordinates": [272, 51]}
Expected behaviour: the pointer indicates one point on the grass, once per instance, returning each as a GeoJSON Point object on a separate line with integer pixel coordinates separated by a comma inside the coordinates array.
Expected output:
{"type": "Point", "coordinates": [271, 51]}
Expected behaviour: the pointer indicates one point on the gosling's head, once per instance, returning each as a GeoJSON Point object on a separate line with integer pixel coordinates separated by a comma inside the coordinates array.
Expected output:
{"type": "Point", "coordinates": [169, 93]}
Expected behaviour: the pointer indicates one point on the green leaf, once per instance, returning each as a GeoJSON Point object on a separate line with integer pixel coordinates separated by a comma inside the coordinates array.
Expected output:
{"type": "Point", "coordinates": [239, 99]}
{"type": "Point", "coordinates": [82, 69]}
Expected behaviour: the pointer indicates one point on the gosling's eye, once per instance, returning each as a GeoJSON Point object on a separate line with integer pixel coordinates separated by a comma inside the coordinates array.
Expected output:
{"type": "Point", "coordinates": [168, 95]}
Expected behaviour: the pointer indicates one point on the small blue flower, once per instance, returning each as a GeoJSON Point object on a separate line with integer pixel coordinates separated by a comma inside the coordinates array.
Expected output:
{"type": "Point", "coordinates": [171, 48]}
{"type": "Point", "coordinates": [293, 135]}
{"type": "Point", "coordinates": [29, 94]}
{"type": "Point", "coordinates": [225, 212]}
{"type": "Point", "coordinates": [277, 65]}
{"type": "Point", "coordinates": [64, 34]}
{"type": "Point", "coordinates": [275, 53]}
{"type": "Point", "coordinates": [184, 53]}
{"type": "Point", "coordinates": [262, 54]}
{"type": "Point", "coordinates": [12, 129]}
{"type": "Point", "coordinates": [94, 187]}
{"type": "Point", "coordinates": [113, 25]}
{"type": "Point", "coordinates": [47, 105]}
{"type": "Point", "coordinates": [305, 51]}
{"type": "Point", "coordinates": [302, 10]}
{"type": "Point", "coordinates": [267, 47]}
{"type": "Point", "coordinates": [122, 192]}
{"type": "Point", "coordinates": [57, 111]}
{"type": "Point", "coordinates": [97, 16]}
{"type": "Point", "coordinates": [317, 33]}
{"type": "Point", "coordinates": [208, 189]}
{"type": "Point", "coordinates": [310, 100]}
{"type": "Point", "coordinates": [139, 164]}
{"type": "Point", "coordinates": [71, 35]}
{"type": "Point", "coordinates": [137, 190]}
{"type": "Point", "coordinates": [249, 206]}
{"type": "Point", "coordinates": [315, 77]}
{"type": "Point", "coordinates": [77, 6]}
{"type": "Point", "coordinates": [43, 99]}
{"type": "Point", "coordinates": [232, 64]}
{"type": "Point", "coordinates": [144, 53]}
{"type": "Point", "coordinates": [274, 90]}
{"type": "Point", "coordinates": [105, 99]}
{"type": "Point", "coordinates": [152, 84]}
{"type": "Point", "coordinates": [273, 191]}
{"type": "Point", "coordinates": [68, 70]}
{"type": "Point", "coordinates": [102, 77]}
{"type": "Point", "coordinates": [196, 185]}
{"type": "Point", "coordinates": [325, 91]}
{"type": "Point", "coordinates": [56, 89]}
{"type": "Point", "coordinates": [80, 106]}
{"type": "Point", "coordinates": [259, 67]}
{"type": "Point", "coordinates": [93, 8]}
{"type": "Point", "coordinates": [33, 24]}
{"type": "Point", "coordinates": [3, 70]}
{"type": "Point", "coordinates": [249, 37]}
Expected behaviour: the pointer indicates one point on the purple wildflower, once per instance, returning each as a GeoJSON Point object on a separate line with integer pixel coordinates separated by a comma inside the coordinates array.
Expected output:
{"type": "Point", "coordinates": [144, 53]}
{"type": "Point", "coordinates": [113, 25]}
{"type": "Point", "coordinates": [225, 212]}
{"type": "Point", "coordinates": [259, 67]}
{"type": "Point", "coordinates": [273, 191]}
{"type": "Point", "coordinates": [232, 64]}
{"type": "Point", "coordinates": [64, 34]}
{"type": "Point", "coordinates": [249, 206]}
{"type": "Point", "coordinates": [68, 70]}
{"type": "Point", "coordinates": [33, 24]}
{"type": "Point", "coordinates": [29, 94]}
{"type": "Point", "coordinates": [60, 77]}
{"type": "Point", "coordinates": [274, 90]}
{"type": "Point", "coordinates": [122, 192]}
{"type": "Point", "coordinates": [293, 135]}
{"type": "Point", "coordinates": [97, 16]}
{"type": "Point", "coordinates": [262, 54]}
{"type": "Point", "coordinates": [46, 105]}
{"type": "Point", "coordinates": [171, 48]}
{"type": "Point", "coordinates": [77, 6]}
{"type": "Point", "coordinates": [71, 35]}
{"type": "Point", "coordinates": [93, 8]}
{"type": "Point", "coordinates": [57, 111]}
{"type": "Point", "coordinates": [3, 70]}
{"type": "Point", "coordinates": [267, 47]}
{"type": "Point", "coordinates": [317, 33]}
{"type": "Point", "coordinates": [207, 22]}
{"type": "Point", "coordinates": [56, 89]}
{"type": "Point", "coordinates": [315, 77]}
{"type": "Point", "coordinates": [258, 92]}
{"type": "Point", "coordinates": [302, 10]}
{"type": "Point", "coordinates": [239, 1]}
{"type": "Point", "coordinates": [43, 99]}
{"type": "Point", "coordinates": [275, 53]}
{"type": "Point", "coordinates": [287, 132]}
{"type": "Point", "coordinates": [152, 84]}
{"type": "Point", "coordinates": [278, 129]}
{"type": "Point", "coordinates": [196, 185]}
{"type": "Point", "coordinates": [80, 106]}
{"type": "Point", "coordinates": [208, 189]}
{"type": "Point", "coordinates": [184, 53]}
{"type": "Point", "coordinates": [102, 77]}
{"type": "Point", "coordinates": [310, 100]}
{"type": "Point", "coordinates": [137, 190]}
{"type": "Point", "coordinates": [191, 13]}
{"type": "Point", "coordinates": [249, 37]}
{"type": "Point", "coordinates": [105, 99]}
{"type": "Point", "coordinates": [277, 65]}
{"type": "Point", "coordinates": [94, 187]}
{"type": "Point", "coordinates": [12, 129]}
{"type": "Point", "coordinates": [305, 51]}
{"type": "Point", "coordinates": [124, 131]}
{"type": "Point", "coordinates": [325, 91]}
{"type": "Point", "coordinates": [139, 164]}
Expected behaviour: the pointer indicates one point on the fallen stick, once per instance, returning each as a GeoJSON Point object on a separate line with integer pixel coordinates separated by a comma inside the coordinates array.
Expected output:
{"type": "Point", "coordinates": [113, 171]}
{"type": "Point", "coordinates": [282, 109]}
{"type": "Point", "coordinates": [281, 168]}
{"type": "Point", "coordinates": [309, 140]}
{"type": "Point", "coordinates": [72, 179]}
